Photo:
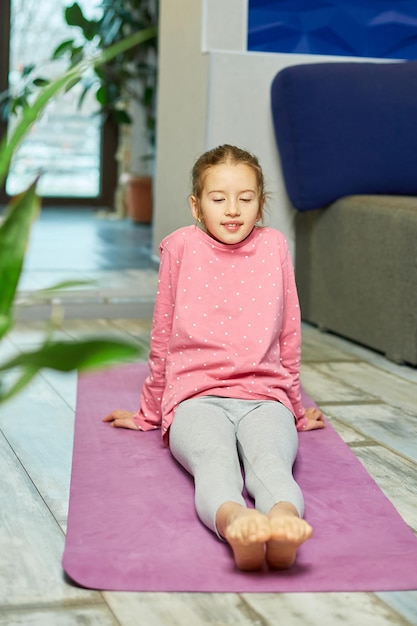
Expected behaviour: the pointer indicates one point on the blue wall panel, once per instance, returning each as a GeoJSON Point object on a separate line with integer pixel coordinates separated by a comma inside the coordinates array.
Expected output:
{"type": "Point", "coordinates": [363, 28]}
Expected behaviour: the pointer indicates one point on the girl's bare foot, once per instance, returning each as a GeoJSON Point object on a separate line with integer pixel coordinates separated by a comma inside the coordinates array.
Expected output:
{"type": "Point", "coordinates": [288, 532]}
{"type": "Point", "coordinates": [246, 530]}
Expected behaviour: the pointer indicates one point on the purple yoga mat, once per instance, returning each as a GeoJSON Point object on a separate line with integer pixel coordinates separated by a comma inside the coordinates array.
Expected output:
{"type": "Point", "coordinates": [132, 524]}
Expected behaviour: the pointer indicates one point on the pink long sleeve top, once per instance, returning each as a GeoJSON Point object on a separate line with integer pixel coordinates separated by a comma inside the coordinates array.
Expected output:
{"type": "Point", "coordinates": [226, 323]}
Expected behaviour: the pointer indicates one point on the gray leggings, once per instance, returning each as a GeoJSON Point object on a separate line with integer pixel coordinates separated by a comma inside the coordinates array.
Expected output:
{"type": "Point", "coordinates": [210, 434]}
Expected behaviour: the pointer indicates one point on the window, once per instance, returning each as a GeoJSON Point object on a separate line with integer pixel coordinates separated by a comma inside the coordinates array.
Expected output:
{"type": "Point", "coordinates": [67, 143]}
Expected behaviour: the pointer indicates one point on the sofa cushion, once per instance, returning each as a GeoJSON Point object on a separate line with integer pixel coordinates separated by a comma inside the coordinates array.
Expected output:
{"type": "Point", "coordinates": [346, 128]}
{"type": "Point", "coordinates": [356, 271]}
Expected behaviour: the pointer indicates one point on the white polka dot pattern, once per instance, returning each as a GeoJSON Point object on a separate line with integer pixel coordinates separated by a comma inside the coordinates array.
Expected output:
{"type": "Point", "coordinates": [226, 322]}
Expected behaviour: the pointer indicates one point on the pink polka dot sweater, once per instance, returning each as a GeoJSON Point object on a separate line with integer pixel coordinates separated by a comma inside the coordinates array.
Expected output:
{"type": "Point", "coordinates": [226, 323]}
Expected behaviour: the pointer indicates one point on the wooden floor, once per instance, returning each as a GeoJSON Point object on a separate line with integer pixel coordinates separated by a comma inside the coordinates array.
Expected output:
{"type": "Point", "coordinates": [370, 401]}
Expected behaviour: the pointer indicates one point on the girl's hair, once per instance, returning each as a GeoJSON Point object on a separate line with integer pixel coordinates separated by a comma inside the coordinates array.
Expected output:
{"type": "Point", "coordinates": [224, 154]}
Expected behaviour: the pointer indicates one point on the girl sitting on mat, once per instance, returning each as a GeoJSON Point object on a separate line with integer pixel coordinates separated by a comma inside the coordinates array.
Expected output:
{"type": "Point", "coordinates": [224, 363]}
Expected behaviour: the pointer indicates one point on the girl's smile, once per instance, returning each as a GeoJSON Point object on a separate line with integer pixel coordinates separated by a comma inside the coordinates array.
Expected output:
{"type": "Point", "coordinates": [232, 226]}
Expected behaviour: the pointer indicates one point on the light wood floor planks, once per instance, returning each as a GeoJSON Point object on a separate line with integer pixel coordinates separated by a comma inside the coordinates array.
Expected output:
{"type": "Point", "coordinates": [371, 402]}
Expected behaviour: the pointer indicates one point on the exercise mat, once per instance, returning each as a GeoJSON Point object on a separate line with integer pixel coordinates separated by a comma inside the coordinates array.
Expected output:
{"type": "Point", "coordinates": [132, 524]}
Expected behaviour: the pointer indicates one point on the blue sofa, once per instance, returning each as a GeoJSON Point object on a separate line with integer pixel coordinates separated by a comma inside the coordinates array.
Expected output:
{"type": "Point", "coordinates": [347, 138]}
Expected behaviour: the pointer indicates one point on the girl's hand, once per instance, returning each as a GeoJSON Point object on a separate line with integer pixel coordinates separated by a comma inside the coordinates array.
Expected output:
{"type": "Point", "coordinates": [120, 418]}
{"type": "Point", "coordinates": [314, 419]}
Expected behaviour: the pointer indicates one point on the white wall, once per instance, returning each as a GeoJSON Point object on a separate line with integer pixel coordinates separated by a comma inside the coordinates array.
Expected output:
{"type": "Point", "coordinates": [224, 25]}
{"type": "Point", "coordinates": [182, 105]}
{"type": "Point", "coordinates": [212, 91]}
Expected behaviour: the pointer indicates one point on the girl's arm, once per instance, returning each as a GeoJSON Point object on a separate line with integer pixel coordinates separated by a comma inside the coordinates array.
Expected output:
{"type": "Point", "coordinates": [290, 349]}
{"type": "Point", "coordinates": [149, 414]}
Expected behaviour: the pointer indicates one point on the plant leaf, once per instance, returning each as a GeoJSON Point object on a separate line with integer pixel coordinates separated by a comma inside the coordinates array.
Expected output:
{"type": "Point", "coordinates": [101, 96]}
{"type": "Point", "coordinates": [14, 236]}
{"type": "Point", "coordinates": [74, 15]}
{"type": "Point", "coordinates": [65, 356]}
{"type": "Point", "coordinates": [28, 69]}
{"type": "Point", "coordinates": [122, 117]}
{"type": "Point", "coordinates": [61, 286]}
{"type": "Point", "coordinates": [77, 55]}
{"type": "Point", "coordinates": [62, 49]}
{"type": "Point", "coordinates": [72, 83]}
{"type": "Point", "coordinates": [41, 82]}
{"type": "Point", "coordinates": [6, 323]}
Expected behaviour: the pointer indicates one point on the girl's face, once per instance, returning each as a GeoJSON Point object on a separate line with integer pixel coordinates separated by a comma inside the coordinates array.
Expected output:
{"type": "Point", "coordinates": [229, 205]}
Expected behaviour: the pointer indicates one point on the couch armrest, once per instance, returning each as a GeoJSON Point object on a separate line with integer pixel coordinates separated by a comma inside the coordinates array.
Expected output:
{"type": "Point", "coordinates": [346, 128]}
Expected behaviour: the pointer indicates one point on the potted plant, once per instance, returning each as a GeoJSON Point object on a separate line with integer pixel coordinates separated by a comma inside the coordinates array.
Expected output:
{"type": "Point", "coordinates": [121, 84]}
{"type": "Point", "coordinates": [14, 234]}
{"type": "Point", "coordinates": [137, 196]}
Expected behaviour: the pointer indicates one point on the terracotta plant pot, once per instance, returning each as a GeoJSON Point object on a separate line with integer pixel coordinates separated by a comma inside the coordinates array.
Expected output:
{"type": "Point", "coordinates": [138, 198]}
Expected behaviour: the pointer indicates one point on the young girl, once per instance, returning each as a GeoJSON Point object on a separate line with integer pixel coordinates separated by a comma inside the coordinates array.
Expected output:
{"type": "Point", "coordinates": [224, 363]}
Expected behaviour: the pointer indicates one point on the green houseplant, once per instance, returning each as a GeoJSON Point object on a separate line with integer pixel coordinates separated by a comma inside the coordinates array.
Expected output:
{"type": "Point", "coordinates": [132, 74]}
{"type": "Point", "coordinates": [18, 371]}
{"type": "Point", "coordinates": [119, 84]}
